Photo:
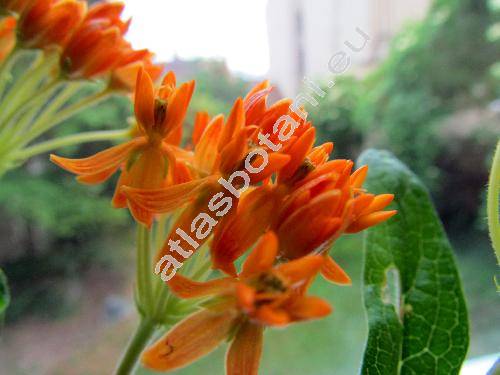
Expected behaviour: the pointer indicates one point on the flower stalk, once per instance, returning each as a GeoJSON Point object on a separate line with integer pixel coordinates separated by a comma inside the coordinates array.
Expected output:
{"type": "Point", "coordinates": [137, 343]}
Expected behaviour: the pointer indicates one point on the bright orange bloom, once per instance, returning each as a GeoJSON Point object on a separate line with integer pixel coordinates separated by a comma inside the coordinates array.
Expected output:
{"type": "Point", "coordinates": [97, 47]}
{"type": "Point", "coordinates": [47, 23]}
{"type": "Point", "coordinates": [262, 296]}
{"type": "Point", "coordinates": [7, 36]}
{"type": "Point", "coordinates": [149, 160]}
{"type": "Point", "coordinates": [310, 202]}
{"type": "Point", "coordinates": [220, 149]}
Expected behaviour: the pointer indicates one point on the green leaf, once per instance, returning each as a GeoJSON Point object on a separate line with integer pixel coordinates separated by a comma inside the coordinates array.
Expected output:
{"type": "Point", "coordinates": [4, 295]}
{"type": "Point", "coordinates": [412, 293]}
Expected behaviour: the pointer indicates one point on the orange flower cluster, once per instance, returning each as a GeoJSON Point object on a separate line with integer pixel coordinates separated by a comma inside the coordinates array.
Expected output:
{"type": "Point", "coordinates": [91, 41]}
{"type": "Point", "coordinates": [254, 180]}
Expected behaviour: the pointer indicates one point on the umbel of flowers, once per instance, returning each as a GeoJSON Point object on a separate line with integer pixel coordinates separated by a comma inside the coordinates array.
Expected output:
{"type": "Point", "coordinates": [66, 46]}
{"type": "Point", "coordinates": [283, 221]}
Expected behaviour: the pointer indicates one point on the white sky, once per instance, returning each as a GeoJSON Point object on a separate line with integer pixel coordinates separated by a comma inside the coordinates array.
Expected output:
{"type": "Point", "coordinates": [231, 29]}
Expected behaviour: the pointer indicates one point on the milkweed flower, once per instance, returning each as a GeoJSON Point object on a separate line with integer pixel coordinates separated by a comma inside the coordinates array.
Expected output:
{"type": "Point", "coordinates": [97, 47]}
{"type": "Point", "coordinates": [240, 309]}
{"type": "Point", "coordinates": [148, 161]}
{"type": "Point", "coordinates": [48, 23]}
{"type": "Point", "coordinates": [221, 148]}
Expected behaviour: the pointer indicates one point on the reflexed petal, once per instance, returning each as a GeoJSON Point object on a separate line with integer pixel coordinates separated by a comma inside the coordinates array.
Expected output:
{"type": "Point", "coordinates": [102, 161]}
{"type": "Point", "coordinates": [97, 178]}
{"type": "Point", "coordinates": [262, 257]}
{"type": "Point", "coordinates": [119, 199]}
{"type": "Point", "coordinates": [140, 214]}
{"type": "Point", "coordinates": [192, 338]}
{"type": "Point", "coordinates": [185, 288]}
{"type": "Point", "coordinates": [165, 199]}
{"type": "Point", "coordinates": [334, 273]}
{"type": "Point", "coordinates": [244, 354]}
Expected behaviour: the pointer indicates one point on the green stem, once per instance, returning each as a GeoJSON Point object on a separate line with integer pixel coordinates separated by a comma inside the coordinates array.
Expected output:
{"type": "Point", "coordinates": [24, 87]}
{"type": "Point", "coordinates": [18, 124]}
{"type": "Point", "coordinates": [49, 121]}
{"type": "Point", "coordinates": [8, 63]}
{"type": "Point", "coordinates": [70, 140]}
{"type": "Point", "coordinates": [135, 346]}
{"type": "Point", "coordinates": [494, 203]}
{"type": "Point", "coordinates": [144, 270]}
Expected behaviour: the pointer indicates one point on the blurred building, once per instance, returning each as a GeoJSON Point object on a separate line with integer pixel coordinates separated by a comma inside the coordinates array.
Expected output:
{"type": "Point", "coordinates": [304, 34]}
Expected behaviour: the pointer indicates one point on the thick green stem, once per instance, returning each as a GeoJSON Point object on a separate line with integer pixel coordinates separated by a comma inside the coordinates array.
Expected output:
{"type": "Point", "coordinates": [494, 203]}
{"type": "Point", "coordinates": [70, 140]}
{"type": "Point", "coordinates": [136, 345]}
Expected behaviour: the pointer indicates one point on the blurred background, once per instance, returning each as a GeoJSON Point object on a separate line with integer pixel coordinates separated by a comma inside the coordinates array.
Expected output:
{"type": "Point", "coordinates": [426, 87]}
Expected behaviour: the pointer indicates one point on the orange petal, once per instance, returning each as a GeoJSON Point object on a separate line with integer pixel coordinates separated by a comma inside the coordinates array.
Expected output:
{"type": "Point", "coordinates": [140, 214]}
{"type": "Point", "coordinates": [298, 152]}
{"type": "Point", "coordinates": [97, 178]}
{"type": "Point", "coordinates": [177, 106]}
{"type": "Point", "coordinates": [379, 203]}
{"type": "Point", "coordinates": [301, 269]}
{"type": "Point", "coordinates": [102, 161]}
{"type": "Point", "coordinates": [243, 356]}
{"type": "Point", "coordinates": [192, 338]}
{"type": "Point", "coordinates": [233, 153]}
{"type": "Point", "coordinates": [334, 273]}
{"type": "Point", "coordinates": [319, 155]}
{"type": "Point", "coordinates": [370, 220]}
{"type": "Point", "coordinates": [258, 87]}
{"type": "Point", "coordinates": [275, 163]}
{"type": "Point", "coordinates": [235, 122]}
{"type": "Point", "coordinates": [309, 307]}
{"type": "Point", "coordinates": [361, 203]}
{"type": "Point", "coordinates": [272, 316]}
{"type": "Point", "coordinates": [359, 176]}
{"type": "Point", "coordinates": [144, 99]}
{"type": "Point", "coordinates": [165, 199]}
{"type": "Point", "coordinates": [206, 152]}
{"type": "Point", "coordinates": [239, 232]}
{"type": "Point", "coordinates": [262, 256]}
{"type": "Point", "coordinates": [200, 124]}
{"type": "Point", "coordinates": [185, 288]}
{"type": "Point", "coordinates": [245, 295]}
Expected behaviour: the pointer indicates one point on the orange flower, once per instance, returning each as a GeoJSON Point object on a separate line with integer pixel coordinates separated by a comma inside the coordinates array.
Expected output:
{"type": "Point", "coordinates": [97, 47]}
{"type": "Point", "coordinates": [327, 203]}
{"type": "Point", "coordinates": [45, 23]}
{"type": "Point", "coordinates": [149, 160]}
{"type": "Point", "coordinates": [262, 296]}
{"type": "Point", "coordinates": [7, 36]}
